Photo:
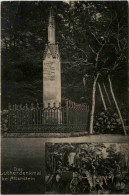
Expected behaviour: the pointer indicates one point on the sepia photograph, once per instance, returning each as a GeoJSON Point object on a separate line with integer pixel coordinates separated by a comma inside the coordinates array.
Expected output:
{"type": "Point", "coordinates": [64, 97]}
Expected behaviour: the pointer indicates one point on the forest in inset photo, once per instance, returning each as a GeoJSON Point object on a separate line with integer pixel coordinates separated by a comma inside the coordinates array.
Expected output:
{"type": "Point", "coordinates": [80, 168]}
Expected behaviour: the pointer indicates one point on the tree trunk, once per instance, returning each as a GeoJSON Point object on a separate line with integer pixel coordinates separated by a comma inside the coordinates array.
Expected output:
{"type": "Point", "coordinates": [107, 94]}
{"type": "Point", "coordinates": [101, 94]}
{"type": "Point", "coordinates": [93, 104]}
{"type": "Point", "coordinates": [118, 110]}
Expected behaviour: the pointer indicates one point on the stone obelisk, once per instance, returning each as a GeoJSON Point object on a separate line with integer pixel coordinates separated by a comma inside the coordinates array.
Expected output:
{"type": "Point", "coordinates": [51, 67]}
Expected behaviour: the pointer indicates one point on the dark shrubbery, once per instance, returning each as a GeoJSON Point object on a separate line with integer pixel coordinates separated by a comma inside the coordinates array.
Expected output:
{"type": "Point", "coordinates": [107, 122]}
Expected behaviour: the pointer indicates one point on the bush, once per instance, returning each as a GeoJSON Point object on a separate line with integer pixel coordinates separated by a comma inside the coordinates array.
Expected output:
{"type": "Point", "coordinates": [108, 122]}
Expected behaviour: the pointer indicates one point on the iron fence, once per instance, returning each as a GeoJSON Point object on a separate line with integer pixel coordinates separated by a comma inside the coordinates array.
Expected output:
{"type": "Point", "coordinates": [54, 118]}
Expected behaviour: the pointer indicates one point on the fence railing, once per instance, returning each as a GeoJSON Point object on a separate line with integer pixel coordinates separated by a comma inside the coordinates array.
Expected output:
{"type": "Point", "coordinates": [54, 118]}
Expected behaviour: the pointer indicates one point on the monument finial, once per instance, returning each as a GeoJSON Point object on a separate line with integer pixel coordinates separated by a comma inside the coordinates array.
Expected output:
{"type": "Point", "coordinates": [51, 27]}
{"type": "Point", "coordinates": [51, 11]}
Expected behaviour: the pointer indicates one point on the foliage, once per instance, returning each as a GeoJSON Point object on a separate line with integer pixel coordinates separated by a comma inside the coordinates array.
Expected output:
{"type": "Point", "coordinates": [96, 167]}
{"type": "Point", "coordinates": [107, 122]}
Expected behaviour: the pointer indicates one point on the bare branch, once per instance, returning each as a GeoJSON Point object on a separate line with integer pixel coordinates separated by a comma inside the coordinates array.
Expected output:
{"type": "Point", "coordinates": [82, 51]}
{"type": "Point", "coordinates": [107, 30]}
{"type": "Point", "coordinates": [92, 49]}
{"type": "Point", "coordinates": [98, 53]}
{"type": "Point", "coordinates": [119, 58]}
{"type": "Point", "coordinates": [96, 38]}
{"type": "Point", "coordinates": [117, 37]}
{"type": "Point", "coordinates": [80, 59]}
{"type": "Point", "coordinates": [79, 64]}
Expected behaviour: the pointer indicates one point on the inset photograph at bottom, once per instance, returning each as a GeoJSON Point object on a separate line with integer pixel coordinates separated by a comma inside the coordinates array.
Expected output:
{"type": "Point", "coordinates": [80, 168]}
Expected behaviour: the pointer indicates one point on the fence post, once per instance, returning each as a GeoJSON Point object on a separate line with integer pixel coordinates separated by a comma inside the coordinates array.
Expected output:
{"type": "Point", "coordinates": [67, 112]}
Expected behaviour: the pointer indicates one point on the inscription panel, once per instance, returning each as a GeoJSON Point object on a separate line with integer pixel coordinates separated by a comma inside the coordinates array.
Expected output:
{"type": "Point", "coordinates": [49, 71]}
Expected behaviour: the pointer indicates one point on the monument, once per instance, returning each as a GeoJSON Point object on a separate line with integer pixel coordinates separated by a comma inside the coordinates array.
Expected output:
{"type": "Point", "coordinates": [51, 67]}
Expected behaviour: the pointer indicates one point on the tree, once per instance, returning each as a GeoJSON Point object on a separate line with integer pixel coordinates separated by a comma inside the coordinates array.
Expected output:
{"type": "Point", "coordinates": [102, 97]}
{"type": "Point", "coordinates": [106, 36]}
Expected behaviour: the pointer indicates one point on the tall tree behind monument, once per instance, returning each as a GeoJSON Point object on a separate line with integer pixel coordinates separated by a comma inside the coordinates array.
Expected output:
{"type": "Point", "coordinates": [51, 67]}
